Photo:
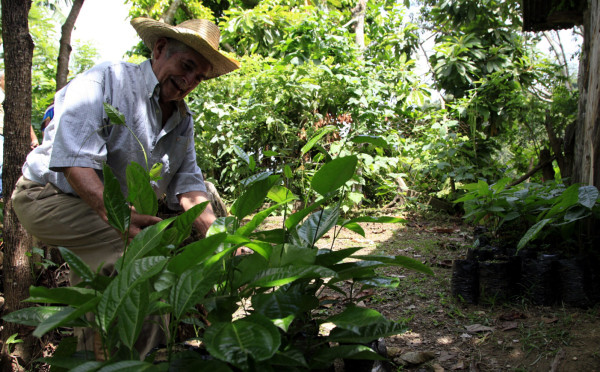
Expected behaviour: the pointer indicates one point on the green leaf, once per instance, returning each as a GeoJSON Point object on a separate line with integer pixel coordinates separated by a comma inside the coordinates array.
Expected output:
{"type": "Point", "coordinates": [275, 236]}
{"type": "Point", "coordinates": [131, 314]}
{"type": "Point", "coordinates": [366, 333]}
{"type": "Point", "coordinates": [576, 213]}
{"type": "Point", "coordinates": [68, 317]}
{"type": "Point", "coordinates": [156, 171]}
{"type": "Point", "coordinates": [318, 224]}
{"type": "Point", "coordinates": [76, 264]}
{"type": "Point", "coordinates": [192, 286]}
{"type": "Point", "coordinates": [117, 209]}
{"type": "Point", "coordinates": [255, 178]}
{"type": "Point", "coordinates": [588, 196]}
{"type": "Point", "coordinates": [334, 174]}
{"type": "Point", "coordinates": [258, 218]}
{"type": "Point", "coordinates": [131, 365]}
{"type": "Point", "coordinates": [143, 243]}
{"type": "Point", "coordinates": [320, 133]}
{"type": "Point", "coordinates": [283, 303]}
{"type": "Point", "coordinates": [287, 171]}
{"type": "Point", "coordinates": [114, 115]}
{"type": "Point", "coordinates": [13, 339]}
{"type": "Point", "coordinates": [184, 222]}
{"type": "Point", "coordinates": [116, 293]}
{"type": "Point", "coordinates": [141, 195]}
{"type": "Point", "coordinates": [373, 140]}
{"type": "Point", "coordinates": [380, 282]}
{"type": "Point", "coordinates": [566, 200]}
{"type": "Point", "coordinates": [73, 296]}
{"type": "Point", "coordinates": [91, 366]}
{"type": "Point", "coordinates": [281, 195]}
{"type": "Point", "coordinates": [355, 227]}
{"type": "Point", "coordinates": [403, 261]}
{"type": "Point", "coordinates": [353, 318]}
{"type": "Point", "coordinates": [252, 164]}
{"type": "Point", "coordinates": [295, 218]}
{"type": "Point", "coordinates": [253, 197]}
{"type": "Point", "coordinates": [164, 281]}
{"type": "Point", "coordinates": [241, 153]}
{"type": "Point", "coordinates": [500, 185]}
{"type": "Point", "coordinates": [254, 336]}
{"type": "Point", "coordinates": [532, 233]}
{"type": "Point", "coordinates": [288, 254]}
{"type": "Point", "coordinates": [355, 270]}
{"type": "Point", "coordinates": [326, 257]}
{"type": "Point", "coordinates": [483, 188]}
{"type": "Point", "coordinates": [32, 316]}
{"type": "Point", "coordinates": [196, 252]}
{"type": "Point", "coordinates": [277, 276]}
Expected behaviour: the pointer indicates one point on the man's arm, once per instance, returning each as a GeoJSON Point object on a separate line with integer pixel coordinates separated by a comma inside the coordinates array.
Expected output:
{"type": "Point", "coordinates": [90, 189]}
{"type": "Point", "coordinates": [190, 199]}
{"type": "Point", "coordinates": [34, 140]}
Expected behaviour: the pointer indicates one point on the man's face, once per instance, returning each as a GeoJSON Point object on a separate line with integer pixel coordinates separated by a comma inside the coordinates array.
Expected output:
{"type": "Point", "coordinates": [178, 73]}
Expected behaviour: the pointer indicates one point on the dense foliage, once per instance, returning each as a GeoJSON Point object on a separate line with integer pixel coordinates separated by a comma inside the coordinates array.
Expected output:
{"type": "Point", "coordinates": [479, 112]}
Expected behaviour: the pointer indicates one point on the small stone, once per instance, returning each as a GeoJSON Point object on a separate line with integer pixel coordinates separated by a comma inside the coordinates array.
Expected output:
{"type": "Point", "coordinates": [393, 351]}
{"type": "Point", "coordinates": [437, 368]}
{"type": "Point", "coordinates": [574, 358]}
{"type": "Point", "coordinates": [417, 357]}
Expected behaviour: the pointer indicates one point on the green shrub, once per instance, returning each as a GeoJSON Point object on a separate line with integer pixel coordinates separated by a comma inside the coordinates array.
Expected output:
{"type": "Point", "coordinates": [282, 280]}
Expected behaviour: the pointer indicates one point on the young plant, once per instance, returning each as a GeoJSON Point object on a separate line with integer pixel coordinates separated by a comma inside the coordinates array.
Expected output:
{"type": "Point", "coordinates": [536, 211]}
{"type": "Point", "coordinates": [278, 286]}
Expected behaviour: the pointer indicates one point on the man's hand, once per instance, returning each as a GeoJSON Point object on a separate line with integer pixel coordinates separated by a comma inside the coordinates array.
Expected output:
{"type": "Point", "coordinates": [193, 198]}
{"type": "Point", "coordinates": [90, 189]}
{"type": "Point", "coordinates": [139, 221]}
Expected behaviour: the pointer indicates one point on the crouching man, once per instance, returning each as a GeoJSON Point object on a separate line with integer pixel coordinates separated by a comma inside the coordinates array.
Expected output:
{"type": "Point", "coordinates": [59, 198]}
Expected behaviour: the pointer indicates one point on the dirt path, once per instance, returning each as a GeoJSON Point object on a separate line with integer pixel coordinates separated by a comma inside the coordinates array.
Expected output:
{"type": "Point", "coordinates": [447, 335]}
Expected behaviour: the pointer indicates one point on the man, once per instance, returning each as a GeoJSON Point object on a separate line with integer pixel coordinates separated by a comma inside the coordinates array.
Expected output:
{"type": "Point", "coordinates": [59, 198]}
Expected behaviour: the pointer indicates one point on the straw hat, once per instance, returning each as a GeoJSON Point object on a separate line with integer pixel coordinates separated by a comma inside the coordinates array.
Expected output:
{"type": "Point", "coordinates": [199, 34]}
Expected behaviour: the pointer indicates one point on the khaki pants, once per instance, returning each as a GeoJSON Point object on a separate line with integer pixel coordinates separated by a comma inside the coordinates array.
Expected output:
{"type": "Point", "coordinates": [65, 220]}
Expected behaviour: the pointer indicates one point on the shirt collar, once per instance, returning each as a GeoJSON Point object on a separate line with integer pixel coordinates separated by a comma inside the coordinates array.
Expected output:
{"type": "Point", "coordinates": [153, 88]}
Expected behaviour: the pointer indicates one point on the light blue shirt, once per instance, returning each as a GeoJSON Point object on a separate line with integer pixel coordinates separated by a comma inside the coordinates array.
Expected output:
{"type": "Point", "coordinates": [81, 135]}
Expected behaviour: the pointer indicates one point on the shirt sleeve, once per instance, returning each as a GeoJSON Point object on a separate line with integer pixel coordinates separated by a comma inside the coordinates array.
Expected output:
{"type": "Point", "coordinates": [79, 140]}
{"type": "Point", "coordinates": [189, 176]}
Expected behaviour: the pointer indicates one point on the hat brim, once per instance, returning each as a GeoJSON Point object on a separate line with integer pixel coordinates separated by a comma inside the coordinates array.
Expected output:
{"type": "Point", "coordinates": [150, 30]}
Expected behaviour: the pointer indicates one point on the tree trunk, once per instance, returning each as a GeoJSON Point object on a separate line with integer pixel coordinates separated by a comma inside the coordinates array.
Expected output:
{"type": "Point", "coordinates": [64, 53]}
{"type": "Point", "coordinates": [169, 15]}
{"type": "Point", "coordinates": [559, 53]}
{"type": "Point", "coordinates": [18, 54]}
{"type": "Point", "coordinates": [586, 156]}
{"type": "Point", "coordinates": [358, 14]}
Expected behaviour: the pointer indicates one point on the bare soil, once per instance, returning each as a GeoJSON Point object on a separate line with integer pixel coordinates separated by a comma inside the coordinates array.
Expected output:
{"type": "Point", "coordinates": [446, 334]}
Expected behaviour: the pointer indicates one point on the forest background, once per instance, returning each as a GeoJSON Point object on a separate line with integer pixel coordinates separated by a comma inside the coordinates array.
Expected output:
{"type": "Point", "coordinates": [479, 112]}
